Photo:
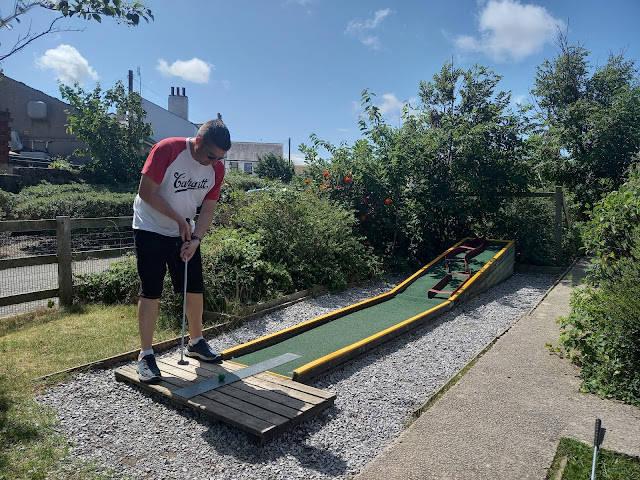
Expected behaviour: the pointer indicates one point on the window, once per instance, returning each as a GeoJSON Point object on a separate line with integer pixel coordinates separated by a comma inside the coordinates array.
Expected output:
{"type": "Point", "coordinates": [233, 165]}
{"type": "Point", "coordinates": [248, 167]}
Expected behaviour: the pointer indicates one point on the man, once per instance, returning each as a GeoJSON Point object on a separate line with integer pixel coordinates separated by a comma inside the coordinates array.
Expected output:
{"type": "Point", "coordinates": [179, 175]}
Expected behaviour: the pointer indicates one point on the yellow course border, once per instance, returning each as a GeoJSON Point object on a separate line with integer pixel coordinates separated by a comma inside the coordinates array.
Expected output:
{"type": "Point", "coordinates": [289, 332]}
{"type": "Point", "coordinates": [320, 365]}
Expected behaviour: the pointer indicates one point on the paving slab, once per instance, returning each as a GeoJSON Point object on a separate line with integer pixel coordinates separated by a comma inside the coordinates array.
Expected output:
{"type": "Point", "coordinates": [505, 416]}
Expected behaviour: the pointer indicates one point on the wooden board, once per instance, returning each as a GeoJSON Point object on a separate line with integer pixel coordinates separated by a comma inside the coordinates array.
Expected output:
{"type": "Point", "coordinates": [263, 405]}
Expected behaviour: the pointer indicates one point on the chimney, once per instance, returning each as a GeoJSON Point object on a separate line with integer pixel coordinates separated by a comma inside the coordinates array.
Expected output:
{"type": "Point", "coordinates": [179, 104]}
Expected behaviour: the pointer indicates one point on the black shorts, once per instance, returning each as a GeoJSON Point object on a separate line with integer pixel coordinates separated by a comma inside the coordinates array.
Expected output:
{"type": "Point", "coordinates": [154, 252]}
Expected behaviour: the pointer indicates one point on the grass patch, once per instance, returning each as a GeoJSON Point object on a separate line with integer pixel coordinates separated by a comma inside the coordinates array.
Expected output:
{"type": "Point", "coordinates": [576, 458]}
{"type": "Point", "coordinates": [44, 342]}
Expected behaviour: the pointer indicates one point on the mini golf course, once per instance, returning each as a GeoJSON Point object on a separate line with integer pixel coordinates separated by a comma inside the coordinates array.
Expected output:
{"type": "Point", "coordinates": [325, 342]}
{"type": "Point", "coordinates": [259, 386]}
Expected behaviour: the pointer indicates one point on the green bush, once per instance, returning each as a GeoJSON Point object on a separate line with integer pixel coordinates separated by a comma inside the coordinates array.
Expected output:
{"type": "Point", "coordinates": [614, 225]}
{"type": "Point", "coordinates": [76, 200]}
{"type": "Point", "coordinates": [7, 201]}
{"type": "Point", "coordinates": [602, 332]}
{"type": "Point", "coordinates": [235, 275]}
{"type": "Point", "coordinates": [312, 238]}
{"type": "Point", "coordinates": [603, 328]}
{"type": "Point", "coordinates": [527, 221]}
{"type": "Point", "coordinates": [118, 284]}
{"type": "Point", "coordinates": [236, 180]}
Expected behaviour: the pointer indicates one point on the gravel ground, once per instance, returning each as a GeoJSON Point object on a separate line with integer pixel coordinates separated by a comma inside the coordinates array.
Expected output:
{"type": "Point", "coordinates": [140, 436]}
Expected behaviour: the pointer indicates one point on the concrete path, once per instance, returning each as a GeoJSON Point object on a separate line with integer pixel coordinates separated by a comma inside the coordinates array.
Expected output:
{"type": "Point", "coordinates": [504, 418]}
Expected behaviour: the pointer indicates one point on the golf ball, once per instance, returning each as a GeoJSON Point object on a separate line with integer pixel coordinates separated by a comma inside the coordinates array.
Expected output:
{"type": "Point", "coordinates": [221, 377]}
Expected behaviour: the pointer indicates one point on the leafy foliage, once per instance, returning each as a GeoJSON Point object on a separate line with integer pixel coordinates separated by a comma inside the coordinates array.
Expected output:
{"type": "Point", "coordinates": [274, 167]}
{"type": "Point", "coordinates": [311, 237]}
{"type": "Point", "coordinates": [278, 241]}
{"type": "Point", "coordinates": [614, 226]}
{"type": "Point", "coordinates": [128, 13]}
{"type": "Point", "coordinates": [7, 201]}
{"type": "Point", "coordinates": [446, 171]}
{"type": "Point", "coordinates": [75, 200]}
{"type": "Point", "coordinates": [117, 284]}
{"type": "Point", "coordinates": [112, 126]}
{"type": "Point", "coordinates": [589, 135]}
{"type": "Point", "coordinates": [603, 328]}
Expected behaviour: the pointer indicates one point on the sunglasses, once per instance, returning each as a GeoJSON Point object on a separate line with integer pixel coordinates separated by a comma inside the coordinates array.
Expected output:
{"type": "Point", "coordinates": [213, 157]}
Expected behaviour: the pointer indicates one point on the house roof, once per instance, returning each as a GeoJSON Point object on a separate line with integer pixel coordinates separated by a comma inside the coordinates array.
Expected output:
{"type": "Point", "coordinates": [250, 151]}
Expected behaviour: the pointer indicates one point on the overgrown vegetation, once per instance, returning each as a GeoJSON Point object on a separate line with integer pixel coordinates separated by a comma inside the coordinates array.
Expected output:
{"type": "Point", "coordinates": [75, 200]}
{"type": "Point", "coordinates": [602, 331]}
{"type": "Point", "coordinates": [274, 167]}
{"type": "Point", "coordinates": [276, 241]}
{"type": "Point", "coordinates": [453, 169]}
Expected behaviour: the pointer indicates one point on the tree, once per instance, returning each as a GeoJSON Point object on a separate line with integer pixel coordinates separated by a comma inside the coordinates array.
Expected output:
{"type": "Point", "coordinates": [589, 119]}
{"type": "Point", "coordinates": [439, 176]}
{"type": "Point", "coordinates": [274, 167]}
{"type": "Point", "coordinates": [128, 13]}
{"type": "Point", "coordinates": [112, 126]}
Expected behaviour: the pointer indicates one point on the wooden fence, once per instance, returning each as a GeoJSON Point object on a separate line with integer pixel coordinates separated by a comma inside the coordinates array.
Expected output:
{"type": "Point", "coordinates": [64, 257]}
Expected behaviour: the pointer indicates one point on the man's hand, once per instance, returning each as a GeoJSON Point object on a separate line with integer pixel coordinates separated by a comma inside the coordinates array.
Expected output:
{"type": "Point", "coordinates": [184, 226]}
{"type": "Point", "coordinates": [188, 249]}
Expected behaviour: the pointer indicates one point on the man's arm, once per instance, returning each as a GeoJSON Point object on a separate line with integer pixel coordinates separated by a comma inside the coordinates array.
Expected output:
{"type": "Point", "coordinates": [204, 222]}
{"type": "Point", "coordinates": [148, 191]}
{"type": "Point", "coordinates": [205, 218]}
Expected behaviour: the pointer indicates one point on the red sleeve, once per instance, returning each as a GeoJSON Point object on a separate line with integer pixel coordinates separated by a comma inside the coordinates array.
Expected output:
{"type": "Point", "coordinates": [159, 159]}
{"type": "Point", "coordinates": [214, 193]}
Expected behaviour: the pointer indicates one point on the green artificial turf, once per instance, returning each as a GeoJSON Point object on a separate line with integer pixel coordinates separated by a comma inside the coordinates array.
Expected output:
{"type": "Point", "coordinates": [351, 328]}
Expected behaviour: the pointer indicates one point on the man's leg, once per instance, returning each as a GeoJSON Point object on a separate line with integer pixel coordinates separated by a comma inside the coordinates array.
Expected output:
{"type": "Point", "coordinates": [147, 317]}
{"type": "Point", "coordinates": [194, 314]}
{"type": "Point", "coordinates": [201, 349]}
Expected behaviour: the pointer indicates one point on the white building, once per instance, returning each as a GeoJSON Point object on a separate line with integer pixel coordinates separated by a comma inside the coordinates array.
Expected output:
{"type": "Point", "coordinates": [174, 122]}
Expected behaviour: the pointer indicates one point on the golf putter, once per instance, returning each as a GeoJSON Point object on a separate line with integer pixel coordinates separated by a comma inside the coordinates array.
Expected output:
{"type": "Point", "coordinates": [182, 361]}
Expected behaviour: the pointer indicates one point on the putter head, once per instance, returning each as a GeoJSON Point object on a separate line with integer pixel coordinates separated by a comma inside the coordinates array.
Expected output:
{"type": "Point", "coordinates": [183, 362]}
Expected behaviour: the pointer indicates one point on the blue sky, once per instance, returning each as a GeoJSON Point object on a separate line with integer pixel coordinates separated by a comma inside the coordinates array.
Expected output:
{"type": "Point", "coordinates": [280, 69]}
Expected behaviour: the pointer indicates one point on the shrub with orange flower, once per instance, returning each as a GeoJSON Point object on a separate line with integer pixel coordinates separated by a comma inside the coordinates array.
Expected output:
{"type": "Point", "coordinates": [307, 180]}
{"type": "Point", "coordinates": [387, 201]}
{"type": "Point", "coordinates": [347, 179]}
{"type": "Point", "coordinates": [363, 217]}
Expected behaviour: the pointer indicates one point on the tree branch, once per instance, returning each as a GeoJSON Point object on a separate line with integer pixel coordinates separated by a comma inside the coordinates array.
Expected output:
{"type": "Point", "coordinates": [28, 38]}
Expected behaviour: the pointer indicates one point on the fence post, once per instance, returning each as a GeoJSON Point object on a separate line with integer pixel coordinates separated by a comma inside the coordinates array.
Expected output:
{"type": "Point", "coordinates": [559, 206]}
{"type": "Point", "coordinates": [65, 275]}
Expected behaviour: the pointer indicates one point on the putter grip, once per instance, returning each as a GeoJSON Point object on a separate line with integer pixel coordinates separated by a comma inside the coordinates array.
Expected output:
{"type": "Point", "coordinates": [596, 435]}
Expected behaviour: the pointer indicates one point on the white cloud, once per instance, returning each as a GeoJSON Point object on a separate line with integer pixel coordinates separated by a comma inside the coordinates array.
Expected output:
{"type": "Point", "coordinates": [68, 64]}
{"type": "Point", "coordinates": [510, 30]}
{"type": "Point", "coordinates": [390, 107]}
{"type": "Point", "coordinates": [304, 4]}
{"type": "Point", "coordinates": [194, 70]}
{"type": "Point", "coordinates": [391, 104]}
{"type": "Point", "coordinates": [362, 30]}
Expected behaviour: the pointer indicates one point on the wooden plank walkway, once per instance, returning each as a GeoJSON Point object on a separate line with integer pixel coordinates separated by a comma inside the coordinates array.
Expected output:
{"type": "Point", "coordinates": [263, 405]}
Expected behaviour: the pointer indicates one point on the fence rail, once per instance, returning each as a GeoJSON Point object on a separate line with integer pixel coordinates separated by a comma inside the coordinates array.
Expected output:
{"type": "Point", "coordinates": [64, 256]}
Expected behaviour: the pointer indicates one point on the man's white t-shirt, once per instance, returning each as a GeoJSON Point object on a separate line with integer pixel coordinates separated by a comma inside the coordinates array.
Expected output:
{"type": "Point", "coordinates": [183, 183]}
